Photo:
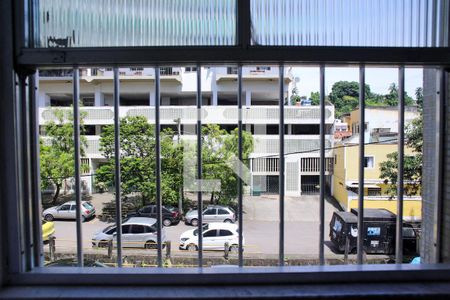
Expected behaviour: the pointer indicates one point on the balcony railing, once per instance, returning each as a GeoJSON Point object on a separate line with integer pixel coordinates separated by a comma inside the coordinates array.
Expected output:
{"type": "Point", "coordinates": [210, 114]}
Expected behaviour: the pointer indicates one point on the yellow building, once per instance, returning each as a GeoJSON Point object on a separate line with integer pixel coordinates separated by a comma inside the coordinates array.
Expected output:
{"type": "Point", "coordinates": [345, 179]}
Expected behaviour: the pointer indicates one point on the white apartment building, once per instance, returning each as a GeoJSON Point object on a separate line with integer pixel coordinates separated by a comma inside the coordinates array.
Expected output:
{"type": "Point", "coordinates": [219, 93]}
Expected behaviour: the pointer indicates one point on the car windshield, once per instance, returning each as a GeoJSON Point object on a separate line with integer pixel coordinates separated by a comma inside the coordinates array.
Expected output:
{"type": "Point", "coordinates": [108, 228]}
{"type": "Point", "coordinates": [87, 205]}
{"type": "Point", "coordinates": [205, 227]}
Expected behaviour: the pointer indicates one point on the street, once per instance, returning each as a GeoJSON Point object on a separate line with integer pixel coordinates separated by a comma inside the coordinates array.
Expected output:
{"type": "Point", "coordinates": [260, 226]}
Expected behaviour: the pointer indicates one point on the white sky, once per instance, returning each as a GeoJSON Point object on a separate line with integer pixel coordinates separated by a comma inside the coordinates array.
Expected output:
{"type": "Point", "coordinates": [379, 79]}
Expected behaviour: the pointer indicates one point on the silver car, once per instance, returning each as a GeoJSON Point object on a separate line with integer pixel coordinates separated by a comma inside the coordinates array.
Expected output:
{"type": "Point", "coordinates": [137, 232]}
{"type": "Point", "coordinates": [68, 211]}
{"type": "Point", "coordinates": [212, 214]}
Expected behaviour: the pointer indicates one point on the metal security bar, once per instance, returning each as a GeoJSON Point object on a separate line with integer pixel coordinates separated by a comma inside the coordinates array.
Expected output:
{"type": "Point", "coordinates": [25, 169]}
{"type": "Point", "coordinates": [35, 171]}
{"type": "Point", "coordinates": [199, 166]}
{"type": "Point", "coordinates": [240, 198]}
{"type": "Point", "coordinates": [76, 137]}
{"type": "Point", "coordinates": [158, 167]}
{"type": "Point", "coordinates": [281, 174]}
{"type": "Point", "coordinates": [117, 166]}
{"type": "Point", "coordinates": [401, 155]}
{"type": "Point", "coordinates": [360, 240]}
{"type": "Point", "coordinates": [322, 168]}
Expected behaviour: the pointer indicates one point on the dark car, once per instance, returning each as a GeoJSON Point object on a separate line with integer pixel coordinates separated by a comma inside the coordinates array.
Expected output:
{"type": "Point", "coordinates": [169, 216]}
{"type": "Point", "coordinates": [379, 228]}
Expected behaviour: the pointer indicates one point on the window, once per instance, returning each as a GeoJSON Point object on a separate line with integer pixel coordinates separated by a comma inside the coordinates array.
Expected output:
{"type": "Point", "coordinates": [246, 48]}
{"type": "Point", "coordinates": [64, 207]}
{"type": "Point", "coordinates": [224, 232]}
{"type": "Point", "coordinates": [73, 207]}
{"type": "Point", "coordinates": [190, 69]}
{"type": "Point", "coordinates": [210, 212]}
{"type": "Point", "coordinates": [137, 229]}
{"type": "Point", "coordinates": [210, 233]}
{"type": "Point", "coordinates": [369, 162]}
{"type": "Point", "coordinates": [223, 212]}
{"type": "Point", "coordinates": [126, 229]}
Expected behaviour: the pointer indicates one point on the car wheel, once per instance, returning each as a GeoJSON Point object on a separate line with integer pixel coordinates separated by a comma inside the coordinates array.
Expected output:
{"type": "Point", "coordinates": [191, 247]}
{"type": "Point", "coordinates": [83, 219]}
{"type": "Point", "coordinates": [167, 222]}
{"type": "Point", "coordinates": [103, 244]}
{"type": "Point", "coordinates": [150, 245]}
{"type": "Point", "coordinates": [234, 249]}
{"type": "Point", "coordinates": [194, 222]}
{"type": "Point", "coordinates": [227, 221]}
{"type": "Point", "coordinates": [49, 217]}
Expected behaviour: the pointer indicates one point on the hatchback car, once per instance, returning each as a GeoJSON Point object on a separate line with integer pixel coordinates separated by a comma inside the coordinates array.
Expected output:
{"type": "Point", "coordinates": [137, 232]}
{"type": "Point", "coordinates": [215, 236]}
{"type": "Point", "coordinates": [68, 211]}
{"type": "Point", "coordinates": [169, 217]}
{"type": "Point", "coordinates": [212, 214]}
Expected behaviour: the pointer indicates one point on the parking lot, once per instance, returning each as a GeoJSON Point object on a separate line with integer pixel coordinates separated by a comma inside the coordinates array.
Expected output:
{"type": "Point", "coordinates": [260, 227]}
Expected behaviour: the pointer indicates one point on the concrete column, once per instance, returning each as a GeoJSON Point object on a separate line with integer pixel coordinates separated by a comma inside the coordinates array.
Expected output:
{"type": "Point", "coordinates": [248, 98]}
{"type": "Point", "coordinates": [99, 99]}
{"type": "Point", "coordinates": [289, 129]}
{"type": "Point", "coordinates": [214, 98]}
{"type": "Point", "coordinates": [44, 99]}
{"type": "Point", "coordinates": [152, 98]}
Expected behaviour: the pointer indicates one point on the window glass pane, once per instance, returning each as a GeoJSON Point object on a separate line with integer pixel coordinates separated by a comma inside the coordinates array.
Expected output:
{"type": "Point", "coordinates": [102, 23]}
{"type": "Point", "coordinates": [136, 229]}
{"type": "Point", "coordinates": [210, 233]}
{"type": "Point", "coordinates": [382, 23]}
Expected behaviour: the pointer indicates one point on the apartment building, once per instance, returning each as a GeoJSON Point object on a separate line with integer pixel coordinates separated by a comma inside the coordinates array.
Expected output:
{"type": "Point", "coordinates": [219, 101]}
{"type": "Point", "coordinates": [381, 134]}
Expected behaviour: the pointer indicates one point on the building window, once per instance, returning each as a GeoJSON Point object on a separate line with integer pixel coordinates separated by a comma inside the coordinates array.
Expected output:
{"type": "Point", "coordinates": [369, 162]}
{"type": "Point", "coordinates": [190, 69]}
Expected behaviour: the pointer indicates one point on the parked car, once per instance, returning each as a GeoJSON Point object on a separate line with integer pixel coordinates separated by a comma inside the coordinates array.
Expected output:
{"type": "Point", "coordinates": [215, 235]}
{"type": "Point", "coordinates": [169, 217]}
{"type": "Point", "coordinates": [214, 213]}
{"type": "Point", "coordinates": [137, 232]}
{"type": "Point", "coordinates": [48, 229]}
{"type": "Point", "coordinates": [68, 211]}
{"type": "Point", "coordinates": [379, 228]}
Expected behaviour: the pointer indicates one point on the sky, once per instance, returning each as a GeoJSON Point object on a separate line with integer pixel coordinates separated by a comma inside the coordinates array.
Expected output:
{"type": "Point", "coordinates": [378, 78]}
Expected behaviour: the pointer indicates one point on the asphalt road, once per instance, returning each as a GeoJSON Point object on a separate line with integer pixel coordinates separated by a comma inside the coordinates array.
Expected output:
{"type": "Point", "coordinates": [261, 229]}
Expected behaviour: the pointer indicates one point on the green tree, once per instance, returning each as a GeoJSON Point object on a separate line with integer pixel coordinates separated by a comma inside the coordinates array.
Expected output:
{"type": "Point", "coordinates": [218, 150]}
{"type": "Point", "coordinates": [412, 164]}
{"type": "Point", "coordinates": [137, 160]}
{"type": "Point", "coordinates": [57, 151]}
{"type": "Point", "coordinates": [345, 96]}
{"type": "Point", "coordinates": [315, 98]}
{"type": "Point", "coordinates": [391, 98]}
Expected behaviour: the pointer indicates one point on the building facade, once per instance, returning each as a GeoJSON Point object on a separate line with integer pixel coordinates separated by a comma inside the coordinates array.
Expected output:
{"type": "Point", "coordinates": [381, 136]}
{"type": "Point", "coordinates": [178, 88]}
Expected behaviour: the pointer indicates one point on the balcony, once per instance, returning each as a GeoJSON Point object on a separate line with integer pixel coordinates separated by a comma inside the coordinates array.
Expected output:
{"type": "Point", "coordinates": [210, 114]}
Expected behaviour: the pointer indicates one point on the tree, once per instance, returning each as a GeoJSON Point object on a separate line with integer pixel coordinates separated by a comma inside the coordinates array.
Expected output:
{"type": "Point", "coordinates": [412, 164]}
{"type": "Point", "coordinates": [57, 151]}
{"type": "Point", "coordinates": [345, 96]}
{"type": "Point", "coordinates": [137, 140]}
{"type": "Point", "coordinates": [218, 149]}
{"type": "Point", "coordinates": [391, 98]}
{"type": "Point", "coordinates": [315, 98]}
{"type": "Point", "coordinates": [137, 160]}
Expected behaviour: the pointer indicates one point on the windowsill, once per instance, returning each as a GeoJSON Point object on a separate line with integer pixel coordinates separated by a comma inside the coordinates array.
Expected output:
{"type": "Point", "coordinates": [233, 275]}
{"type": "Point", "coordinates": [329, 291]}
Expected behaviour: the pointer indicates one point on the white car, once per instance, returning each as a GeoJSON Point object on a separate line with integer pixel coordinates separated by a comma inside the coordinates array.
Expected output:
{"type": "Point", "coordinates": [137, 232]}
{"type": "Point", "coordinates": [68, 211]}
{"type": "Point", "coordinates": [215, 235]}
